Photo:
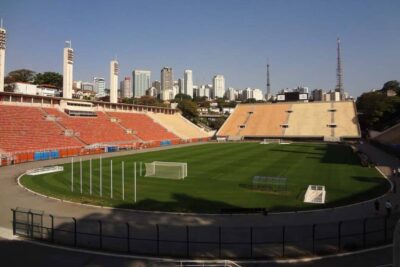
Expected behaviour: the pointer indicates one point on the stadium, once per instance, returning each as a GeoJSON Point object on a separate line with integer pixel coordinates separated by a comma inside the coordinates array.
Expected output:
{"type": "Point", "coordinates": [98, 177]}
{"type": "Point", "coordinates": [267, 170]}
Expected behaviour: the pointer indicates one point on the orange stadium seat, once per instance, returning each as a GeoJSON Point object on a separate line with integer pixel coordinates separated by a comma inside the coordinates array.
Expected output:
{"type": "Point", "coordinates": [93, 130]}
{"type": "Point", "coordinates": [26, 128]}
{"type": "Point", "coordinates": [145, 128]}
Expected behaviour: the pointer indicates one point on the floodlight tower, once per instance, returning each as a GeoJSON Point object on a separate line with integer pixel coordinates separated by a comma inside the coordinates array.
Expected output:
{"type": "Point", "coordinates": [268, 84]}
{"type": "Point", "coordinates": [2, 54]}
{"type": "Point", "coordinates": [339, 71]}
{"type": "Point", "coordinates": [114, 81]}
{"type": "Point", "coordinates": [68, 70]}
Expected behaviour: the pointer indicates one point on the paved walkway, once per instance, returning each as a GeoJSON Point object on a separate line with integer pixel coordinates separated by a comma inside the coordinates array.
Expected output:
{"type": "Point", "coordinates": [11, 196]}
{"type": "Point", "coordinates": [36, 255]}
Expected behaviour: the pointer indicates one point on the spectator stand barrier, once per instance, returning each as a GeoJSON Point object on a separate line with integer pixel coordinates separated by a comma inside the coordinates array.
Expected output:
{"type": "Point", "coordinates": [206, 241]}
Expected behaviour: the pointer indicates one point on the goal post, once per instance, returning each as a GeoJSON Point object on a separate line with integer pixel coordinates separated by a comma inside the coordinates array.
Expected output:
{"type": "Point", "coordinates": [267, 141]}
{"type": "Point", "coordinates": [273, 183]}
{"type": "Point", "coordinates": [168, 170]}
{"type": "Point", "coordinates": [315, 194]}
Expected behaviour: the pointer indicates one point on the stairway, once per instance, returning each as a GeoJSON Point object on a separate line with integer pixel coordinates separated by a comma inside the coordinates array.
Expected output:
{"type": "Point", "coordinates": [63, 128]}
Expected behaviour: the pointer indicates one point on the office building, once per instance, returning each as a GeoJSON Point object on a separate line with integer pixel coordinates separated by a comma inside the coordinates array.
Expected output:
{"type": "Point", "coordinates": [126, 88]}
{"type": "Point", "coordinates": [140, 82]}
{"type": "Point", "coordinates": [166, 82]}
{"type": "Point", "coordinates": [99, 86]}
{"type": "Point", "coordinates": [87, 86]}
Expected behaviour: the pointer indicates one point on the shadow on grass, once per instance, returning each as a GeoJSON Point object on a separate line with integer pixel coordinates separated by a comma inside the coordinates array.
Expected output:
{"type": "Point", "coordinates": [330, 153]}
{"type": "Point", "coordinates": [181, 203]}
{"type": "Point", "coordinates": [173, 235]}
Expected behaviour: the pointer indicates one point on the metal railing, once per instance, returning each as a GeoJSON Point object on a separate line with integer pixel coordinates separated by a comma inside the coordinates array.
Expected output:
{"type": "Point", "coordinates": [212, 242]}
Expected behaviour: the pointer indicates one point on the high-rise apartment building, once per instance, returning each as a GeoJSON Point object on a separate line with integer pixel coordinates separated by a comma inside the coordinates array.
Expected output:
{"type": "Point", "coordinates": [140, 82]}
{"type": "Point", "coordinates": [68, 70]}
{"type": "Point", "coordinates": [167, 81]}
{"type": "Point", "coordinates": [77, 85]}
{"type": "Point", "coordinates": [188, 82]}
{"type": "Point", "coordinates": [2, 56]}
{"type": "Point", "coordinates": [219, 86]}
{"type": "Point", "coordinates": [181, 85]}
{"type": "Point", "coordinates": [231, 94]}
{"type": "Point", "coordinates": [317, 95]}
{"type": "Point", "coordinates": [126, 87]}
{"type": "Point", "coordinates": [258, 94]}
{"type": "Point", "coordinates": [114, 81]}
{"type": "Point", "coordinates": [99, 86]}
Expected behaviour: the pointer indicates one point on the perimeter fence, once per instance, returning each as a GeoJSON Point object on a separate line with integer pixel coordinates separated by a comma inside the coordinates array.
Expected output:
{"type": "Point", "coordinates": [205, 241]}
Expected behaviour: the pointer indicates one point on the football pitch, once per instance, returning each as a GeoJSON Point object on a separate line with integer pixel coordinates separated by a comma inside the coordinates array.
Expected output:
{"type": "Point", "coordinates": [219, 177]}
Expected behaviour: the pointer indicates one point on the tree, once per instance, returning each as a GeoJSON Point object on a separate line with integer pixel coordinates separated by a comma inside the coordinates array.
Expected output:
{"type": "Point", "coordinates": [250, 100]}
{"type": "Point", "coordinates": [392, 85]}
{"type": "Point", "coordinates": [183, 96]}
{"type": "Point", "coordinates": [144, 100]}
{"type": "Point", "coordinates": [217, 123]}
{"type": "Point", "coordinates": [189, 109]}
{"type": "Point", "coordinates": [377, 109]}
{"type": "Point", "coordinates": [52, 78]}
{"type": "Point", "coordinates": [127, 100]}
{"type": "Point", "coordinates": [21, 75]}
{"type": "Point", "coordinates": [147, 101]}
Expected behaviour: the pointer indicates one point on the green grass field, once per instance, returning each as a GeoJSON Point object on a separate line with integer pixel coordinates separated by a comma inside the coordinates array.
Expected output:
{"type": "Point", "coordinates": [217, 174]}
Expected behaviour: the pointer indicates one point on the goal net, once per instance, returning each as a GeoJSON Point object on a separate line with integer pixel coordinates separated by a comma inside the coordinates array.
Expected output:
{"type": "Point", "coordinates": [274, 141]}
{"type": "Point", "coordinates": [169, 170]}
{"type": "Point", "coordinates": [269, 183]}
{"type": "Point", "coordinates": [315, 194]}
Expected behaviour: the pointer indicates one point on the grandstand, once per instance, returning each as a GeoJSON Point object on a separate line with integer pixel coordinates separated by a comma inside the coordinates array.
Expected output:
{"type": "Point", "coordinates": [390, 136]}
{"type": "Point", "coordinates": [266, 120]}
{"type": "Point", "coordinates": [346, 119]}
{"type": "Point", "coordinates": [25, 128]}
{"type": "Point", "coordinates": [316, 120]}
{"type": "Point", "coordinates": [239, 116]}
{"type": "Point", "coordinates": [309, 120]}
{"type": "Point", "coordinates": [31, 125]}
{"type": "Point", "coordinates": [143, 126]}
{"type": "Point", "coordinates": [177, 124]}
{"type": "Point", "coordinates": [92, 130]}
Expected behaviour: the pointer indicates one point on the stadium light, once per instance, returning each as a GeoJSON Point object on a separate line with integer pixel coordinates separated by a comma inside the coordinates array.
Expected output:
{"type": "Point", "coordinates": [123, 181]}
{"type": "Point", "coordinates": [111, 180]}
{"type": "Point", "coordinates": [90, 182]}
{"type": "Point", "coordinates": [101, 178]}
{"type": "Point", "coordinates": [72, 174]}
{"type": "Point", "coordinates": [80, 166]}
{"type": "Point", "coordinates": [134, 175]}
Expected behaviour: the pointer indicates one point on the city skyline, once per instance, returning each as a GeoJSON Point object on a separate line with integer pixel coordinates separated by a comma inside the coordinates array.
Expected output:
{"type": "Point", "coordinates": [300, 46]}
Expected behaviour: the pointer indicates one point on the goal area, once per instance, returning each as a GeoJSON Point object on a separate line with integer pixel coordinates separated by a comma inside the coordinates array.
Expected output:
{"type": "Point", "coordinates": [315, 194]}
{"type": "Point", "coordinates": [168, 170]}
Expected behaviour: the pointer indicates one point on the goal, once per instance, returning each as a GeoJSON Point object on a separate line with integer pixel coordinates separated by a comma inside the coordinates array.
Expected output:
{"type": "Point", "coordinates": [169, 170]}
{"type": "Point", "coordinates": [315, 194]}
{"type": "Point", "coordinates": [273, 183]}
{"type": "Point", "coordinates": [270, 141]}
{"type": "Point", "coordinates": [274, 141]}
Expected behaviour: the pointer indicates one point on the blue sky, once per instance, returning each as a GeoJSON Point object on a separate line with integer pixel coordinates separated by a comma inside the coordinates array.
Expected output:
{"type": "Point", "coordinates": [233, 38]}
